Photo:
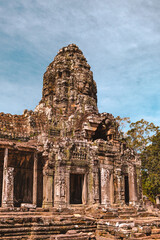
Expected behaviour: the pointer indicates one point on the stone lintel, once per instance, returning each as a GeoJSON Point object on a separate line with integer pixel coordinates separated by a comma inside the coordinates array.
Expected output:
{"type": "Point", "coordinates": [17, 146]}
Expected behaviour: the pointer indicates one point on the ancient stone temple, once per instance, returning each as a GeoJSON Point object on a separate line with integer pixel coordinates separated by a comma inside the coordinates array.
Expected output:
{"type": "Point", "coordinates": [65, 152]}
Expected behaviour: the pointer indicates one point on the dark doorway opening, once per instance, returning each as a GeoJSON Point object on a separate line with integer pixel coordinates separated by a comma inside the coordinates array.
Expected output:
{"type": "Point", "coordinates": [23, 178]}
{"type": "Point", "coordinates": [76, 185]}
{"type": "Point", "coordinates": [40, 180]}
{"type": "Point", "coordinates": [100, 133]}
{"type": "Point", "coordinates": [126, 189]}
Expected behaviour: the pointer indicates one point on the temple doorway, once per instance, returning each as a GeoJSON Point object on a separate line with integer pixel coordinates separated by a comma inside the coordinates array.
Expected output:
{"type": "Point", "coordinates": [40, 180]}
{"type": "Point", "coordinates": [76, 186]}
{"type": "Point", "coordinates": [23, 178]}
{"type": "Point", "coordinates": [126, 184]}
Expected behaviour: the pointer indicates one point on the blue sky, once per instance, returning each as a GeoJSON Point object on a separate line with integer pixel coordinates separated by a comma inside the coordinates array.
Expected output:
{"type": "Point", "coordinates": [119, 38]}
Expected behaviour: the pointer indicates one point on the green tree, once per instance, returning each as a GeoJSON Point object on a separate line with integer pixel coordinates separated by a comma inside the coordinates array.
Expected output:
{"type": "Point", "coordinates": [140, 133]}
{"type": "Point", "coordinates": [122, 123]}
{"type": "Point", "coordinates": [144, 138]}
{"type": "Point", "coordinates": [150, 157]}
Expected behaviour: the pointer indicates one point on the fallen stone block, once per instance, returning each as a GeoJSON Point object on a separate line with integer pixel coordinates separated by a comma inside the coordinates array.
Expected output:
{"type": "Point", "coordinates": [28, 205]}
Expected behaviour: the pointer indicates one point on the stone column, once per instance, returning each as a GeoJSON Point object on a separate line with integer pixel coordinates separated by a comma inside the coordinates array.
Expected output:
{"type": "Point", "coordinates": [61, 187]}
{"type": "Point", "coordinates": [84, 190]}
{"type": "Point", "coordinates": [119, 189]}
{"type": "Point", "coordinates": [4, 185]}
{"type": "Point", "coordinates": [35, 178]}
{"type": "Point", "coordinates": [139, 184]}
{"type": "Point", "coordinates": [10, 187]}
{"type": "Point", "coordinates": [118, 186]}
{"type": "Point", "coordinates": [111, 189]}
{"type": "Point", "coordinates": [68, 186]}
{"type": "Point", "coordinates": [48, 188]}
{"type": "Point", "coordinates": [8, 183]}
{"type": "Point", "coordinates": [158, 199]}
{"type": "Point", "coordinates": [105, 186]}
{"type": "Point", "coordinates": [96, 186]}
{"type": "Point", "coordinates": [132, 185]}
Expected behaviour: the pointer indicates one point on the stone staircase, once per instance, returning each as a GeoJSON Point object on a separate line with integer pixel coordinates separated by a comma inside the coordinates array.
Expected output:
{"type": "Point", "coordinates": [131, 223]}
{"type": "Point", "coordinates": [42, 224]}
{"type": "Point", "coordinates": [80, 223]}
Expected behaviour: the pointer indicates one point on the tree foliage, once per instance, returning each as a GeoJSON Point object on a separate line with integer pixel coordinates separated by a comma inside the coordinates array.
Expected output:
{"type": "Point", "coordinates": [140, 134]}
{"type": "Point", "coordinates": [144, 138]}
{"type": "Point", "coordinates": [150, 157]}
{"type": "Point", "coordinates": [122, 124]}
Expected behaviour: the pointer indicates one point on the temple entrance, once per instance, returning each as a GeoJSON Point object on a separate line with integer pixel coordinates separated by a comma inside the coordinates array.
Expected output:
{"type": "Point", "coordinates": [76, 186]}
{"type": "Point", "coordinates": [23, 178]}
{"type": "Point", "coordinates": [126, 184]}
{"type": "Point", "coordinates": [40, 180]}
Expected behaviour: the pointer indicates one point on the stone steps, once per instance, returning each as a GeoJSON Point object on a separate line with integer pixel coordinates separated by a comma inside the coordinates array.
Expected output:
{"type": "Point", "coordinates": [127, 216]}
{"type": "Point", "coordinates": [141, 237]}
{"type": "Point", "coordinates": [143, 228]}
{"type": "Point", "coordinates": [52, 223]}
{"type": "Point", "coordinates": [29, 226]}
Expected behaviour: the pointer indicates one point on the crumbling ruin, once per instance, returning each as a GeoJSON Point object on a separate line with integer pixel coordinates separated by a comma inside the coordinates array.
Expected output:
{"type": "Point", "coordinates": [65, 154]}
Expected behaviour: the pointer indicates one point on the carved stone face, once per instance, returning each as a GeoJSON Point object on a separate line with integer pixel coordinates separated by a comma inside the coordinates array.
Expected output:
{"type": "Point", "coordinates": [85, 83]}
{"type": "Point", "coordinates": [86, 89]}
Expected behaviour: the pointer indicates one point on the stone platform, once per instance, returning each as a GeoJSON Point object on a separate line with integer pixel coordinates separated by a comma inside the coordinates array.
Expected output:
{"type": "Point", "coordinates": [80, 223]}
{"type": "Point", "coordinates": [38, 224]}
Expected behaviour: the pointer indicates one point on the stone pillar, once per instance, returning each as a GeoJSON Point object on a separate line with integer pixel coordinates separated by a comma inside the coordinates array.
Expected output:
{"type": "Point", "coordinates": [57, 190]}
{"type": "Point", "coordinates": [10, 187]}
{"type": "Point", "coordinates": [96, 186]}
{"type": "Point", "coordinates": [139, 184]}
{"type": "Point", "coordinates": [105, 186]}
{"type": "Point", "coordinates": [158, 199]}
{"type": "Point", "coordinates": [47, 188]}
{"type": "Point", "coordinates": [111, 189]}
{"type": "Point", "coordinates": [60, 186]}
{"type": "Point", "coordinates": [8, 183]}
{"type": "Point", "coordinates": [118, 189]}
{"type": "Point", "coordinates": [84, 190]}
{"type": "Point", "coordinates": [4, 185]}
{"type": "Point", "coordinates": [90, 187]}
{"type": "Point", "coordinates": [68, 186]}
{"type": "Point", "coordinates": [118, 186]}
{"type": "Point", "coordinates": [35, 178]}
{"type": "Point", "coordinates": [132, 185]}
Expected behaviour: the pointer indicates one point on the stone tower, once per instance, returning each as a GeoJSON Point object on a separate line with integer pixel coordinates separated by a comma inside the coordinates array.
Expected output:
{"type": "Point", "coordinates": [68, 84]}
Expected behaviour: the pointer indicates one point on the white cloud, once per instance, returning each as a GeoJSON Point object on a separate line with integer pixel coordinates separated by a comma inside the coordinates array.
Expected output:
{"type": "Point", "coordinates": [120, 39]}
